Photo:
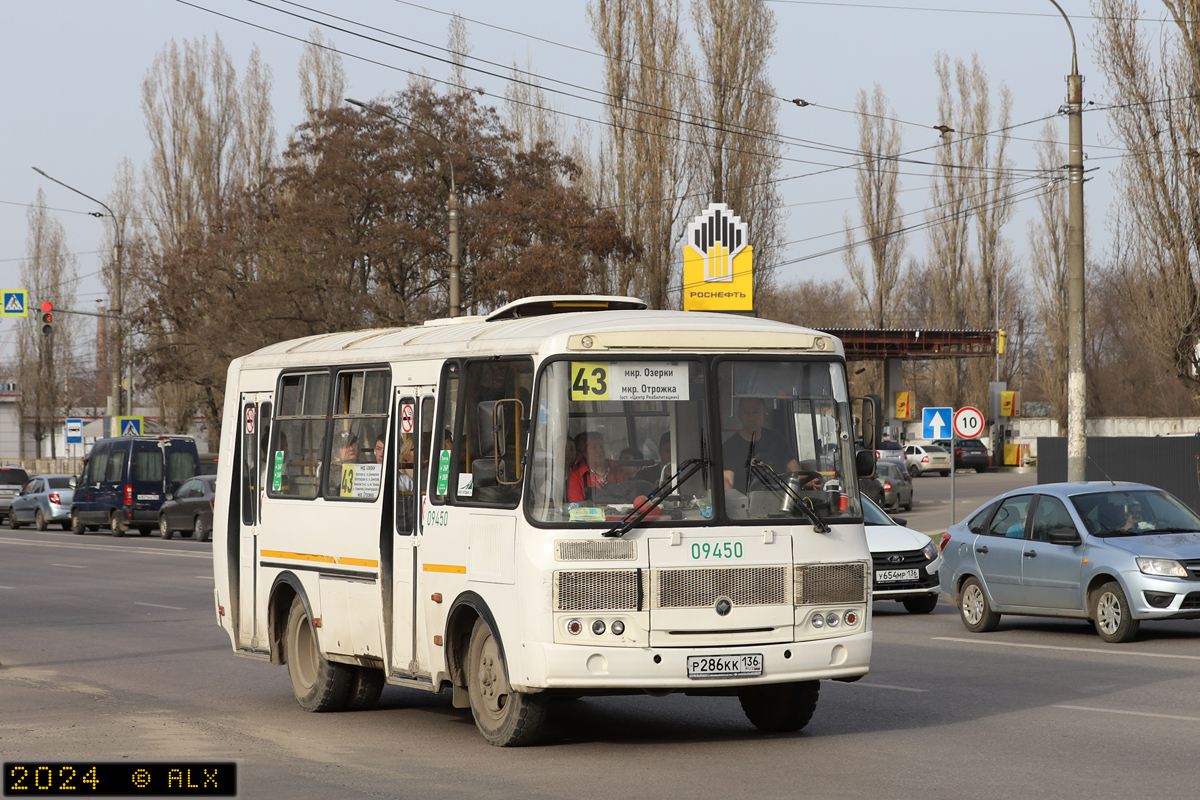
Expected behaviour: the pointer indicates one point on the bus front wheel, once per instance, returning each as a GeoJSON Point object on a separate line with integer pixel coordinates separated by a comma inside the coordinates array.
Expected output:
{"type": "Point", "coordinates": [319, 684]}
{"type": "Point", "coordinates": [505, 717]}
{"type": "Point", "coordinates": [780, 707]}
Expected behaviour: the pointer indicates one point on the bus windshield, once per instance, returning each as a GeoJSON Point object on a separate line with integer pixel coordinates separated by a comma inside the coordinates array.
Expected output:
{"type": "Point", "coordinates": [786, 438]}
{"type": "Point", "coordinates": [608, 433]}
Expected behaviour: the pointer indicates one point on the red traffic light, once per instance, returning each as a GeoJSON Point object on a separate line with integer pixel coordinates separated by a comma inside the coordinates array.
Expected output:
{"type": "Point", "coordinates": [47, 306]}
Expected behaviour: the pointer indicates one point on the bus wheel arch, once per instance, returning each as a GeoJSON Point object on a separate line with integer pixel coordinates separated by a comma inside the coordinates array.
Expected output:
{"type": "Point", "coordinates": [460, 623]}
{"type": "Point", "coordinates": [284, 590]}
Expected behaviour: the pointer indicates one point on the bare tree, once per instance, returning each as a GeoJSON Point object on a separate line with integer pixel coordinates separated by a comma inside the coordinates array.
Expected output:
{"type": "Point", "coordinates": [46, 362]}
{"type": "Point", "coordinates": [741, 150]}
{"type": "Point", "coordinates": [322, 76]}
{"type": "Point", "coordinates": [1157, 213]}
{"type": "Point", "coordinates": [882, 230]}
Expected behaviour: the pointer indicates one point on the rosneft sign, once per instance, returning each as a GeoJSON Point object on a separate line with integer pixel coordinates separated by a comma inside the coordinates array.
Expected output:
{"type": "Point", "coordinates": [718, 263]}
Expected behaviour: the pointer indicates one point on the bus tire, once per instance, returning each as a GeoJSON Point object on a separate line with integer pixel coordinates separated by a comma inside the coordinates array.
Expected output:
{"type": "Point", "coordinates": [318, 684]}
{"type": "Point", "coordinates": [506, 718]}
{"type": "Point", "coordinates": [365, 688]}
{"type": "Point", "coordinates": [780, 707]}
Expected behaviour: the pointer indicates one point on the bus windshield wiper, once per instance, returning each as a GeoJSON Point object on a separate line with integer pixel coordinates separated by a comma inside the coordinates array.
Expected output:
{"type": "Point", "coordinates": [686, 470]}
{"type": "Point", "coordinates": [764, 473]}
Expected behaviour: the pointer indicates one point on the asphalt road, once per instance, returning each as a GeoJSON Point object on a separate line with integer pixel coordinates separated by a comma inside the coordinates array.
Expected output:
{"type": "Point", "coordinates": [110, 650]}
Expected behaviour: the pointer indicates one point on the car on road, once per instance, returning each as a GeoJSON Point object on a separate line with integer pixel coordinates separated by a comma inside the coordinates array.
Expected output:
{"type": "Point", "coordinates": [897, 486]}
{"type": "Point", "coordinates": [190, 509]}
{"type": "Point", "coordinates": [906, 562]}
{"type": "Point", "coordinates": [968, 453]}
{"type": "Point", "coordinates": [12, 479]}
{"type": "Point", "coordinates": [1110, 552]}
{"type": "Point", "coordinates": [127, 479]}
{"type": "Point", "coordinates": [922, 458]}
{"type": "Point", "coordinates": [889, 449]}
{"type": "Point", "coordinates": [44, 500]}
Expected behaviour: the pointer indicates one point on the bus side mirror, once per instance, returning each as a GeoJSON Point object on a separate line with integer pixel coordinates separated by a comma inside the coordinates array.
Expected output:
{"type": "Point", "coordinates": [864, 463]}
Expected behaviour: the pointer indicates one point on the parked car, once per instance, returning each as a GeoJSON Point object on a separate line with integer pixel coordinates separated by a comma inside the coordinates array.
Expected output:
{"type": "Point", "coordinates": [922, 458]}
{"type": "Point", "coordinates": [190, 509]}
{"type": "Point", "coordinates": [897, 486]}
{"type": "Point", "coordinates": [906, 563]}
{"type": "Point", "coordinates": [1113, 553]}
{"type": "Point", "coordinates": [889, 449]}
{"type": "Point", "coordinates": [12, 479]}
{"type": "Point", "coordinates": [44, 500]}
{"type": "Point", "coordinates": [968, 453]}
{"type": "Point", "coordinates": [127, 479]}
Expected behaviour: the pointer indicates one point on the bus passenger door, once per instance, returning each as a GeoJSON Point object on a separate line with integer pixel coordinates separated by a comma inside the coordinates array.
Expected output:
{"type": "Point", "coordinates": [254, 423]}
{"type": "Point", "coordinates": [411, 442]}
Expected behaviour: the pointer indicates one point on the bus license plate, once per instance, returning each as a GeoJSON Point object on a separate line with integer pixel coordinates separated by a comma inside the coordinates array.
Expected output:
{"type": "Point", "coordinates": [889, 575]}
{"type": "Point", "coordinates": [739, 666]}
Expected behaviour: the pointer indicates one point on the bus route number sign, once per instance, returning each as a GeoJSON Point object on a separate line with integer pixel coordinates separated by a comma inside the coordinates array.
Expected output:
{"type": "Point", "coordinates": [589, 381]}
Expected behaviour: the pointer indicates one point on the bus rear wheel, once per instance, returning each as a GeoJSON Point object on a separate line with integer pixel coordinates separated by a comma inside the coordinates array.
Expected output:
{"type": "Point", "coordinates": [505, 717]}
{"type": "Point", "coordinates": [319, 684]}
{"type": "Point", "coordinates": [780, 707]}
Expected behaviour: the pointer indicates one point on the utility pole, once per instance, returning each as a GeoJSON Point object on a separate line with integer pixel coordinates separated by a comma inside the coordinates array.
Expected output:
{"type": "Point", "coordinates": [113, 408]}
{"type": "Point", "coordinates": [1076, 302]}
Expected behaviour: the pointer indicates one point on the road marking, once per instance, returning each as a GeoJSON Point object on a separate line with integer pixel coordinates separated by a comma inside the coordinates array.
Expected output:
{"type": "Point", "coordinates": [109, 548]}
{"type": "Point", "coordinates": [7, 587]}
{"type": "Point", "coordinates": [888, 686]}
{"type": "Point", "coordinates": [156, 605]}
{"type": "Point", "coordinates": [1107, 652]}
{"type": "Point", "coordinates": [205, 577]}
{"type": "Point", "coordinates": [72, 566]}
{"type": "Point", "coordinates": [1131, 713]}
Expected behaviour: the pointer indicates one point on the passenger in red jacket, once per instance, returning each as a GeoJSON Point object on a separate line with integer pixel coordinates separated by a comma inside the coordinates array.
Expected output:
{"type": "Point", "coordinates": [594, 470]}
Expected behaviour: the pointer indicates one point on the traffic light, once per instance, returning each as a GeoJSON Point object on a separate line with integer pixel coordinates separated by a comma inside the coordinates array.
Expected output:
{"type": "Point", "coordinates": [47, 318]}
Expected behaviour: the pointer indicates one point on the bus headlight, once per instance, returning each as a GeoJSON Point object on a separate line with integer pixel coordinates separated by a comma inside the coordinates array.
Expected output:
{"type": "Point", "coordinates": [818, 621]}
{"type": "Point", "coordinates": [598, 627]}
{"type": "Point", "coordinates": [850, 618]}
{"type": "Point", "coordinates": [832, 619]}
{"type": "Point", "coordinates": [617, 627]}
{"type": "Point", "coordinates": [574, 627]}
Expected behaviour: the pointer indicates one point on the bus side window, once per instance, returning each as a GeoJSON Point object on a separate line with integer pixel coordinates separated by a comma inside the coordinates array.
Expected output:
{"type": "Point", "coordinates": [492, 434]}
{"type": "Point", "coordinates": [298, 435]}
{"type": "Point", "coordinates": [442, 472]}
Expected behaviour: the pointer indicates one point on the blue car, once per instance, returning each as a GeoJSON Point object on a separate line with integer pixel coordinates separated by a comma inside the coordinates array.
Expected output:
{"type": "Point", "coordinates": [1113, 553]}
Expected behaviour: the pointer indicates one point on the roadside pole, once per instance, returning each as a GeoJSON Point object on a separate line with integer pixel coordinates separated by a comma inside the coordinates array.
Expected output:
{"type": "Point", "coordinates": [968, 424]}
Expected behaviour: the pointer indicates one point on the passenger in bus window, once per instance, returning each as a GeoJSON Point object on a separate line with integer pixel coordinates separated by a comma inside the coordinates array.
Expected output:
{"type": "Point", "coordinates": [627, 467]}
{"type": "Point", "coordinates": [379, 447]}
{"type": "Point", "coordinates": [404, 480]}
{"type": "Point", "coordinates": [767, 445]}
{"type": "Point", "coordinates": [657, 473]}
{"type": "Point", "coordinates": [594, 473]}
{"type": "Point", "coordinates": [345, 451]}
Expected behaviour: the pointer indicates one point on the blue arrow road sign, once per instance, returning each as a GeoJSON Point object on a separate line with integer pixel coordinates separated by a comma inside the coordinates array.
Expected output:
{"type": "Point", "coordinates": [935, 422]}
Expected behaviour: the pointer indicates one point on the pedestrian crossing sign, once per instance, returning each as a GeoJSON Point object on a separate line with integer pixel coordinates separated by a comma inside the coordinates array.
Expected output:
{"type": "Point", "coordinates": [15, 304]}
{"type": "Point", "coordinates": [130, 426]}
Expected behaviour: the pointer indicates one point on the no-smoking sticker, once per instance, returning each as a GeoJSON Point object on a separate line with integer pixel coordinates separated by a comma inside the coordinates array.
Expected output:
{"type": "Point", "coordinates": [249, 420]}
{"type": "Point", "coordinates": [406, 418]}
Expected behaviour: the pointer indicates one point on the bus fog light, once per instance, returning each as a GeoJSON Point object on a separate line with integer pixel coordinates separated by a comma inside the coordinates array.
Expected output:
{"type": "Point", "coordinates": [818, 621]}
{"type": "Point", "coordinates": [598, 627]}
{"type": "Point", "coordinates": [574, 627]}
{"type": "Point", "coordinates": [618, 627]}
{"type": "Point", "coordinates": [832, 619]}
{"type": "Point", "coordinates": [850, 618]}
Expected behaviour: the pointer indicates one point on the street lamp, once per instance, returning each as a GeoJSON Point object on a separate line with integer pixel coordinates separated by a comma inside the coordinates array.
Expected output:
{"type": "Point", "coordinates": [114, 399]}
{"type": "Point", "coordinates": [452, 205]}
{"type": "Point", "coordinates": [1076, 374]}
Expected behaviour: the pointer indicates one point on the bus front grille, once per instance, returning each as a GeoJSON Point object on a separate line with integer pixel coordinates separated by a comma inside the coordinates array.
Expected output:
{"type": "Point", "coordinates": [598, 590]}
{"type": "Point", "coordinates": [701, 588]}
{"type": "Point", "coordinates": [817, 584]}
{"type": "Point", "coordinates": [591, 550]}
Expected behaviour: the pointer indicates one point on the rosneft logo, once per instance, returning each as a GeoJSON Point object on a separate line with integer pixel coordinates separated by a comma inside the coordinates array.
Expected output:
{"type": "Point", "coordinates": [718, 262]}
{"type": "Point", "coordinates": [719, 237]}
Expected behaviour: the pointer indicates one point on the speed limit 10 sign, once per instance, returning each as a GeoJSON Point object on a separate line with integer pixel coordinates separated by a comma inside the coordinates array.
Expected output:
{"type": "Point", "coordinates": [968, 422]}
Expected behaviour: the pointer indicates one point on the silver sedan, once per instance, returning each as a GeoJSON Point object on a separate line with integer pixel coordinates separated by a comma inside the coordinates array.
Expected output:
{"type": "Point", "coordinates": [1112, 553]}
{"type": "Point", "coordinates": [44, 500]}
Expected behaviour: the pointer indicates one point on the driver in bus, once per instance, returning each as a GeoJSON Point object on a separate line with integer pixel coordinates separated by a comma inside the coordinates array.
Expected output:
{"type": "Point", "coordinates": [595, 472]}
{"type": "Point", "coordinates": [767, 445]}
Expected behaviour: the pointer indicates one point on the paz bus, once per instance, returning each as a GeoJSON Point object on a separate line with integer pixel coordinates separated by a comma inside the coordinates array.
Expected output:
{"type": "Point", "coordinates": [572, 495]}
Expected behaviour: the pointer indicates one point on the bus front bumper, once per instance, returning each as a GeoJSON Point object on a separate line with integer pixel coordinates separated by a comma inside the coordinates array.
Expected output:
{"type": "Point", "coordinates": [559, 666]}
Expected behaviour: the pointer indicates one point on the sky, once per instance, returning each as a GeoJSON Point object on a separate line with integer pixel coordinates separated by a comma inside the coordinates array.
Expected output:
{"type": "Point", "coordinates": [72, 73]}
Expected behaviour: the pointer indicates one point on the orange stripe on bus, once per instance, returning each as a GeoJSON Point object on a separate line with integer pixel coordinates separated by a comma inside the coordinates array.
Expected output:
{"type": "Point", "coordinates": [444, 568]}
{"type": "Point", "coordinates": [298, 556]}
{"type": "Point", "coordinates": [358, 562]}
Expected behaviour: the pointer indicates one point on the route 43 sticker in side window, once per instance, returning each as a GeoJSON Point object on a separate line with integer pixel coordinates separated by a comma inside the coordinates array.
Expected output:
{"type": "Point", "coordinates": [628, 380]}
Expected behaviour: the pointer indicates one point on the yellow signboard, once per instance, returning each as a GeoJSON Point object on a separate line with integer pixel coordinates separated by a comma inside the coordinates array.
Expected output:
{"type": "Point", "coordinates": [718, 263]}
{"type": "Point", "coordinates": [1010, 404]}
{"type": "Point", "coordinates": [904, 405]}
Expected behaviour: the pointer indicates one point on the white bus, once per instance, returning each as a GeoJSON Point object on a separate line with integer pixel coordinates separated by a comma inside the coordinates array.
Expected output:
{"type": "Point", "coordinates": [569, 496]}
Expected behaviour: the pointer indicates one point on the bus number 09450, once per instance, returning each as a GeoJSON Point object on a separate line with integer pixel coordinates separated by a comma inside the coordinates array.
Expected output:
{"type": "Point", "coordinates": [706, 550]}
